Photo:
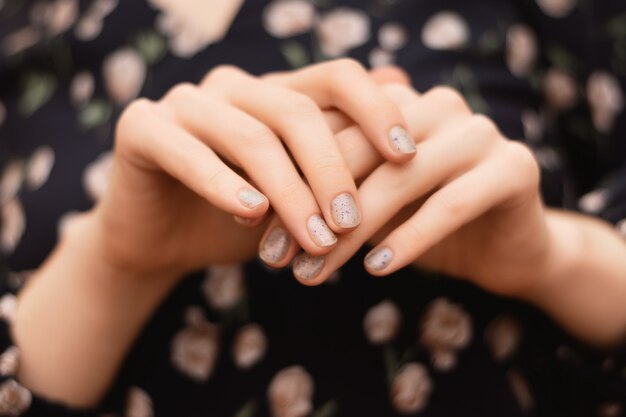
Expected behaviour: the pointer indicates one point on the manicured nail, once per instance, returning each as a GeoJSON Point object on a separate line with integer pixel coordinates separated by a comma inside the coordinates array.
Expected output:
{"type": "Point", "coordinates": [275, 246]}
{"type": "Point", "coordinates": [345, 212]}
{"type": "Point", "coordinates": [250, 198]}
{"type": "Point", "coordinates": [320, 232]}
{"type": "Point", "coordinates": [243, 220]}
{"type": "Point", "coordinates": [308, 267]}
{"type": "Point", "coordinates": [401, 141]}
{"type": "Point", "coordinates": [378, 259]}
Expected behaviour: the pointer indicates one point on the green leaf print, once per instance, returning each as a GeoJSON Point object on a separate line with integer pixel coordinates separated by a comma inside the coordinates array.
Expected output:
{"type": "Point", "coordinates": [95, 113]}
{"type": "Point", "coordinates": [248, 409]}
{"type": "Point", "coordinates": [295, 54]}
{"type": "Point", "coordinates": [329, 409]}
{"type": "Point", "coordinates": [151, 46]}
{"type": "Point", "coordinates": [38, 88]}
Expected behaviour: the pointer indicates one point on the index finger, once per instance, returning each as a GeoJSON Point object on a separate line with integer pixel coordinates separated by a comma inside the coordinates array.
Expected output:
{"type": "Point", "coordinates": [346, 85]}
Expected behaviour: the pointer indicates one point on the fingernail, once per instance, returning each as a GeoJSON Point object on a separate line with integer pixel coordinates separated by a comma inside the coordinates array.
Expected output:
{"type": "Point", "coordinates": [345, 212]}
{"type": "Point", "coordinates": [378, 259]}
{"type": "Point", "coordinates": [401, 141]}
{"type": "Point", "coordinates": [308, 267]}
{"type": "Point", "coordinates": [250, 198]}
{"type": "Point", "coordinates": [275, 246]}
{"type": "Point", "coordinates": [320, 232]}
{"type": "Point", "coordinates": [243, 220]}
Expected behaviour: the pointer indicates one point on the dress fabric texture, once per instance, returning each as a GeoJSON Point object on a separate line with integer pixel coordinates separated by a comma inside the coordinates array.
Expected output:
{"type": "Point", "coordinates": [244, 341]}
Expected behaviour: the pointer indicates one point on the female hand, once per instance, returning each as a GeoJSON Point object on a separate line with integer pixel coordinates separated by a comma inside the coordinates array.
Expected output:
{"type": "Point", "coordinates": [467, 205]}
{"type": "Point", "coordinates": [176, 180]}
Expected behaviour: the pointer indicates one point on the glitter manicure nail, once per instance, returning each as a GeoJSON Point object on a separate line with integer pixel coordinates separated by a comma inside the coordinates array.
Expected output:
{"type": "Point", "coordinates": [275, 246]}
{"type": "Point", "coordinates": [250, 198]}
{"type": "Point", "coordinates": [401, 141]}
{"type": "Point", "coordinates": [320, 232]}
{"type": "Point", "coordinates": [379, 259]}
{"type": "Point", "coordinates": [345, 212]}
{"type": "Point", "coordinates": [308, 267]}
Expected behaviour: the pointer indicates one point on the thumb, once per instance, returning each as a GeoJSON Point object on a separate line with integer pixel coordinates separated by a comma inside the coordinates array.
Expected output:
{"type": "Point", "coordinates": [389, 75]}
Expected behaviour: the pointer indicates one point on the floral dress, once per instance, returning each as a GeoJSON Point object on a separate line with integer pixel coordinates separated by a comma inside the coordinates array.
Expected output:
{"type": "Point", "coordinates": [244, 341]}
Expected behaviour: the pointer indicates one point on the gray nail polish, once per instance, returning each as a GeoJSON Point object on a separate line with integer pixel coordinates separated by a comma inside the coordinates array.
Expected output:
{"type": "Point", "coordinates": [308, 267]}
{"type": "Point", "coordinates": [320, 232]}
{"type": "Point", "coordinates": [401, 141]}
{"type": "Point", "coordinates": [250, 198]}
{"type": "Point", "coordinates": [379, 259]}
{"type": "Point", "coordinates": [345, 212]}
{"type": "Point", "coordinates": [275, 246]}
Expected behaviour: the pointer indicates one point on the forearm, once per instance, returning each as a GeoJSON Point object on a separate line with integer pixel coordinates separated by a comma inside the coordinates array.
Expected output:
{"type": "Point", "coordinates": [584, 286]}
{"type": "Point", "coordinates": [78, 317]}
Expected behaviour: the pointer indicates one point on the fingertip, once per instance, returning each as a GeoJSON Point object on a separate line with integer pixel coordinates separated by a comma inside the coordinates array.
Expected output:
{"type": "Point", "coordinates": [307, 269]}
{"type": "Point", "coordinates": [401, 143]}
{"type": "Point", "coordinates": [378, 261]}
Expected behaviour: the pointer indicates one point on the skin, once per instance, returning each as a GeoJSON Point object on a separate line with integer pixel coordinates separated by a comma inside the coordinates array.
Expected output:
{"type": "Point", "coordinates": [109, 276]}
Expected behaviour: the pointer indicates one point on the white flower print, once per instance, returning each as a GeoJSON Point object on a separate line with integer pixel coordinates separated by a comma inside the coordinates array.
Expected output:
{"type": "Point", "coordinates": [82, 88]}
{"type": "Point", "coordinates": [606, 98]}
{"type": "Point", "coordinates": [445, 329]}
{"type": "Point", "coordinates": [138, 403]}
{"type": "Point", "coordinates": [88, 28]}
{"type": "Point", "coordinates": [9, 361]}
{"type": "Point", "coordinates": [13, 225]}
{"type": "Point", "coordinates": [560, 89]}
{"type": "Point", "coordinates": [342, 29]}
{"type": "Point", "coordinates": [285, 18]}
{"type": "Point", "coordinates": [533, 125]}
{"type": "Point", "coordinates": [392, 36]}
{"type": "Point", "coordinates": [548, 158]}
{"type": "Point", "coordinates": [556, 8]}
{"type": "Point", "coordinates": [8, 307]}
{"type": "Point", "coordinates": [39, 166]}
{"type": "Point", "coordinates": [290, 393]}
{"type": "Point", "coordinates": [11, 180]}
{"type": "Point", "coordinates": [223, 286]}
{"type": "Point", "coordinates": [97, 174]}
{"type": "Point", "coordinates": [520, 390]}
{"type": "Point", "coordinates": [249, 346]}
{"type": "Point", "coordinates": [183, 41]}
{"type": "Point", "coordinates": [410, 389]}
{"type": "Point", "coordinates": [20, 40]}
{"type": "Point", "coordinates": [445, 30]}
{"type": "Point", "coordinates": [382, 322]}
{"type": "Point", "coordinates": [90, 24]}
{"type": "Point", "coordinates": [593, 202]}
{"type": "Point", "coordinates": [521, 49]}
{"type": "Point", "coordinates": [61, 15]}
{"type": "Point", "coordinates": [14, 398]}
{"type": "Point", "coordinates": [124, 73]}
{"type": "Point", "coordinates": [195, 348]}
{"type": "Point", "coordinates": [502, 336]}
{"type": "Point", "coordinates": [379, 57]}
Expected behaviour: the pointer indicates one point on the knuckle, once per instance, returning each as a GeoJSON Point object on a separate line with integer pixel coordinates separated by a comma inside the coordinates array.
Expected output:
{"type": "Point", "coordinates": [180, 91]}
{"type": "Point", "coordinates": [217, 181]}
{"type": "Point", "coordinates": [400, 93]}
{"type": "Point", "coordinates": [291, 190]}
{"type": "Point", "coordinates": [345, 69]}
{"type": "Point", "coordinates": [348, 66]}
{"type": "Point", "coordinates": [452, 202]}
{"type": "Point", "coordinates": [412, 233]}
{"type": "Point", "coordinates": [133, 118]}
{"type": "Point", "coordinates": [221, 74]}
{"type": "Point", "coordinates": [330, 164]}
{"type": "Point", "coordinates": [520, 159]}
{"type": "Point", "coordinates": [483, 127]}
{"type": "Point", "coordinates": [448, 98]}
{"type": "Point", "coordinates": [256, 134]}
{"type": "Point", "coordinates": [301, 105]}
